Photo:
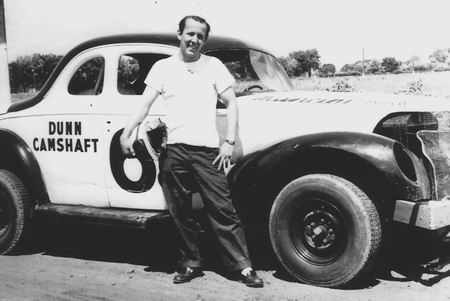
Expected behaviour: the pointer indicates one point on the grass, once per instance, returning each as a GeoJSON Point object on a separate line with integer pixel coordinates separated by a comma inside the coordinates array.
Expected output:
{"type": "Point", "coordinates": [434, 83]}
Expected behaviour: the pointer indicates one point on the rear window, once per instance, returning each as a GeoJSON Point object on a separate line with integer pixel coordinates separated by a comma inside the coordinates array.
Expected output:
{"type": "Point", "coordinates": [88, 79]}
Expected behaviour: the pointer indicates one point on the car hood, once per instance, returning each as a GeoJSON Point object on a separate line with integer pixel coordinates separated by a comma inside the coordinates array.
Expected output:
{"type": "Point", "coordinates": [267, 118]}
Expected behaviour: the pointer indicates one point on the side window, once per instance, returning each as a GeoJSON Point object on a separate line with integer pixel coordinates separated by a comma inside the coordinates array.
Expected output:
{"type": "Point", "coordinates": [132, 71]}
{"type": "Point", "coordinates": [88, 79]}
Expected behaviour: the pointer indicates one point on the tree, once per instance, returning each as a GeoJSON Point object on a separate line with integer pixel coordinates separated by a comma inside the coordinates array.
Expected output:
{"type": "Point", "coordinates": [439, 56]}
{"type": "Point", "coordinates": [348, 68]}
{"type": "Point", "coordinates": [306, 61]}
{"type": "Point", "coordinates": [288, 64]}
{"type": "Point", "coordinates": [298, 58]}
{"type": "Point", "coordinates": [312, 60]}
{"type": "Point", "coordinates": [31, 71]}
{"type": "Point", "coordinates": [415, 64]}
{"type": "Point", "coordinates": [373, 66]}
{"type": "Point", "coordinates": [370, 66]}
{"type": "Point", "coordinates": [358, 66]}
{"type": "Point", "coordinates": [327, 70]}
{"type": "Point", "coordinates": [390, 64]}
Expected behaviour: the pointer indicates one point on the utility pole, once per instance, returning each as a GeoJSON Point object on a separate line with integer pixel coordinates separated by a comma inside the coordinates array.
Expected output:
{"type": "Point", "coordinates": [363, 67]}
{"type": "Point", "coordinates": [5, 92]}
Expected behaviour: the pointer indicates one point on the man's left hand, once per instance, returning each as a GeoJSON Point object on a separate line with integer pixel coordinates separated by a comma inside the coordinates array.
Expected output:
{"type": "Point", "coordinates": [224, 156]}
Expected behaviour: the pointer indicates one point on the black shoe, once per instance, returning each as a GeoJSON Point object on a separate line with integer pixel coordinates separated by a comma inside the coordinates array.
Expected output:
{"type": "Point", "coordinates": [187, 275]}
{"type": "Point", "coordinates": [251, 279]}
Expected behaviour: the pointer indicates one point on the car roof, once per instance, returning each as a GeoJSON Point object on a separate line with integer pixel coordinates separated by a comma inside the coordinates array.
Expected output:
{"type": "Point", "coordinates": [212, 43]}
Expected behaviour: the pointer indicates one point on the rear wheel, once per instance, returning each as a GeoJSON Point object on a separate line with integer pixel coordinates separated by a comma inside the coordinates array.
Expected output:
{"type": "Point", "coordinates": [325, 230]}
{"type": "Point", "coordinates": [15, 211]}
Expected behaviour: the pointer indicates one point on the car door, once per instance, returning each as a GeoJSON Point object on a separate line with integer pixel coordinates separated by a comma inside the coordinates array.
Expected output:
{"type": "Point", "coordinates": [132, 182]}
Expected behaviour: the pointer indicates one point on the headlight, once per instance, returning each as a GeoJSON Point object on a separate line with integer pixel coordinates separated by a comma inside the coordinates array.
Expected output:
{"type": "Point", "coordinates": [404, 162]}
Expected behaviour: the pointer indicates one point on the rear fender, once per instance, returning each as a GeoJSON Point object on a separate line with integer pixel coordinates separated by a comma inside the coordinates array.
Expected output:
{"type": "Point", "coordinates": [16, 156]}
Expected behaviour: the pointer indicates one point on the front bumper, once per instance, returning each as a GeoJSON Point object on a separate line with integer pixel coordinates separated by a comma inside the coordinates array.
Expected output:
{"type": "Point", "coordinates": [431, 215]}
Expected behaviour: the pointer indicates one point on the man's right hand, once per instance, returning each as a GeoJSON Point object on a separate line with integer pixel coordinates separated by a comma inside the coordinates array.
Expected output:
{"type": "Point", "coordinates": [135, 119]}
{"type": "Point", "coordinates": [126, 143]}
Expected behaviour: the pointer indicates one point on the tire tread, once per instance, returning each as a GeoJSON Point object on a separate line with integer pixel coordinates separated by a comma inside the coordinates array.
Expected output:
{"type": "Point", "coordinates": [375, 227]}
{"type": "Point", "coordinates": [23, 207]}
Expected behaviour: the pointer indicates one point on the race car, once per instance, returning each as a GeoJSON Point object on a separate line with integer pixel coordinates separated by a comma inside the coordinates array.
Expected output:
{"type": "Point", "coordinates": [322, 174]}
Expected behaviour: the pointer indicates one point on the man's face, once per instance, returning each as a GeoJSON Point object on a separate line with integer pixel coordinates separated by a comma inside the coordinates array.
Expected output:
{"type": "Point", "coordinates": [192, 39]}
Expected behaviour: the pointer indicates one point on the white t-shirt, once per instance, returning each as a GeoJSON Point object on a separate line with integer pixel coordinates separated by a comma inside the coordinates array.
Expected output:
{"type": "Point", "coordinates": [190, 91]}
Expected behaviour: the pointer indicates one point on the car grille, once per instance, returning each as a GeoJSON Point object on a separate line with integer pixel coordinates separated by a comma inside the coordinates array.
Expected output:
{"type": "Point", "coordinates": [436, 147]}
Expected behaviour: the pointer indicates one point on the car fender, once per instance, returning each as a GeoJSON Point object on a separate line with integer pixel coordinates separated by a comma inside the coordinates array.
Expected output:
{"type": "Point", "coordinates": [368, 160]}
{"type": "Point", "coordinates": [16, 156]}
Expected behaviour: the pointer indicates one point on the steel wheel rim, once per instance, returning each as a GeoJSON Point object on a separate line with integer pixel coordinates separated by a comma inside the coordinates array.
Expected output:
{"type": "Point", "coordinates": [318, 231]}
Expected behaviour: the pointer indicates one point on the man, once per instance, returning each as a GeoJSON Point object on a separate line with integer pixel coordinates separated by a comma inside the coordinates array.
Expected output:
{"type": "Point", "coordinates": [190, 83]}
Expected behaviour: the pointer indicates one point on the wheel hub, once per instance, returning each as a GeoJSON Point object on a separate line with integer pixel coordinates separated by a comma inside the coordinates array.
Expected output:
{"type": "Point", "coordinates": [320, 228]}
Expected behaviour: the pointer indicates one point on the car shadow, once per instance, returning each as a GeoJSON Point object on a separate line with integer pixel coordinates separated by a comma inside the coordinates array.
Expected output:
{"type": "Point", "coordinates": [418, 256]}
{"type": "Point", "coordinates": [420, 261]}
{"type": "Point", "coordinates": [155, 247]}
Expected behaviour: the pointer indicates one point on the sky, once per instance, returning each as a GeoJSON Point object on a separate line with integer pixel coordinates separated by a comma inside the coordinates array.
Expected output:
{"type": "Point", "coordinates": [338, 29]}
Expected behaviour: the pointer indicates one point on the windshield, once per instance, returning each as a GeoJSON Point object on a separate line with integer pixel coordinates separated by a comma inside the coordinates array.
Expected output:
{"type": "Point", "coordinates": [254, 71]}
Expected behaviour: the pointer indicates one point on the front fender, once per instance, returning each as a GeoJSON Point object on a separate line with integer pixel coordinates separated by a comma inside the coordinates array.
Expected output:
{"type": "Point", "coordinates": [16, 156]}
{"type": "Point", "coordinates": [380, 166]}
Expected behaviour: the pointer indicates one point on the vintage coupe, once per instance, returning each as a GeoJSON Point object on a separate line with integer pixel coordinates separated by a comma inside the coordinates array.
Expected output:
{"type": "Point", "coordinates": [322, 174]}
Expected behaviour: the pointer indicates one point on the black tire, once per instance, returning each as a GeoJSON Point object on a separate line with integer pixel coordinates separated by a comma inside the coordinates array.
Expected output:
{"type": "Point", "coordinates": [324, 230]}
{"type": "Point", "coordinates": [15, 211]}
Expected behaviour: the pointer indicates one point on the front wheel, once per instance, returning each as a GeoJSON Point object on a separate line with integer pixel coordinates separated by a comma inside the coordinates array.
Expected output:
{"type": "Point", "coordinates": [324, 230]}
{"type": "Point", "coordinates": [15, 211]}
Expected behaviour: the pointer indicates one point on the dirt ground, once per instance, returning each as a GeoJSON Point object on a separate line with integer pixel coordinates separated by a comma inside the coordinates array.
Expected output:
{"type": "Point", "coordinates": [73, 262]}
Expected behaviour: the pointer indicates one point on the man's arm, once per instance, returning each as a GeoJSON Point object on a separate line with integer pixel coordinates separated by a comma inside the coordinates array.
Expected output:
{"type": "Point", "coordinates": [135, 119]}
{"type": "Point", "coordinates": [226, 149]}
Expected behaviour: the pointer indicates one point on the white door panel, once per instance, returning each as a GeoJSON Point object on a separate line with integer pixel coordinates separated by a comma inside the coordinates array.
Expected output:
{"type": "Point", "coordinates": [70, 153]}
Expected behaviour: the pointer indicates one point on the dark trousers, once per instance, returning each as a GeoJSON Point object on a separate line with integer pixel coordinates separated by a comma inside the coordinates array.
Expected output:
{"type": "Point", "coordinates": [182, 167]}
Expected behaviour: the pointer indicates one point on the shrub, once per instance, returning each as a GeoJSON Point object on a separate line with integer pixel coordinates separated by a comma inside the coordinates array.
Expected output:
{"type": "Point", "coordinates": [350, 73]}
{"type": "Point", "coordinates": [441, 69]}
{"type": "Point", "coordinates": [342, 86]}
{"type": "Point", "coordinates": [413, 88]}
{"type": "Point", "coordinates": [421, 68]}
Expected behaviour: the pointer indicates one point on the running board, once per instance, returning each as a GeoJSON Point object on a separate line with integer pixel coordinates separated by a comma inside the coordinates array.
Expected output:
{"type": "Point", "coordinates": [109, 216]}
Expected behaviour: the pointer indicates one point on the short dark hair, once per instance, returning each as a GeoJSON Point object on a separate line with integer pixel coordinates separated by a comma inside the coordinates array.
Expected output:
{"type": "Point", "coordinates": [182, 24]}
